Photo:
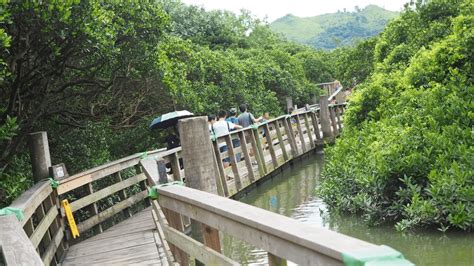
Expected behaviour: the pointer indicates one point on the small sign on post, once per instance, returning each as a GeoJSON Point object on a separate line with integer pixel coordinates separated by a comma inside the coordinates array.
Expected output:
{"type": "Point", "coordinates": [58, 171]}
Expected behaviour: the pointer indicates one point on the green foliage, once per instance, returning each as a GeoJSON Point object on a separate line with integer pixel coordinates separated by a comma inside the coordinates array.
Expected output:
{"type": "Point", "coordinates": [407, 149]}
{"type": "Point", "coordinates": [353, 65]}
{"type": "Point", "coordinates": [330, 31]}
{"type": "Point", "coordinates": [93, 74]}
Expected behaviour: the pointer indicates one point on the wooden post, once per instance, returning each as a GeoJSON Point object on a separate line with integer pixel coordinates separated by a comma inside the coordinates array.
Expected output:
{"type": "Point", "coordinates": [246, 154]}
{"type": "Point", "coordinates": [315, 121]}
{"type": "Point", "coordinates": [332, 116]}
{"type": "Point", "coordinates": [260, 153]}
{"type": "Point", "coordinates": [175, 168]}
{"type": "Point", "coordinates": [220, 167]}
{"type": "Point", "coordinates": [308, 130]}
{"type": "Point", "coordinates": [280, 140]}
{"type": "Point", "coordinates": [314, 99]}
{"type": "Point", "coordinates": [233, 162]}
{"type": "Point", "coordinates": [174, 220]}
{"type": "Point", "coordinates": [199, 167]}
{"type": "Point", "coordinates": [291, 137]}
{"type": "Point", "coordinates": [40, 157]}
{"type": "Point", "coordinates": [338, 117]}
{"type": "Point", "coordinates": [163, 177]}
{"type": "Point", "coordinates": [220, 182]}
{"type": "Point", "coordinates": [270, 145]}
{"type": "Point", "coordinates": [289, 103]}
{"type": "Point", "coordinates": [300, 132]}
{"type": "Point", "coordinates": [324, 117]}
{"type": "Point", "coordinates": [123, 195]}
{"type": "Point", "coordinates": [256, 153]}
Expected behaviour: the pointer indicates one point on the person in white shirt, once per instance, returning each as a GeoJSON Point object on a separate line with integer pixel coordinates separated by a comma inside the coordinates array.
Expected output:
{"type": "Point", "coordinates": [223, 127]}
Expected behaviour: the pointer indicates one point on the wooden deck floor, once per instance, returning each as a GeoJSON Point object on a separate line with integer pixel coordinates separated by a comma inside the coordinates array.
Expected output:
{"type": "Point", "coordinates": [133, 241]}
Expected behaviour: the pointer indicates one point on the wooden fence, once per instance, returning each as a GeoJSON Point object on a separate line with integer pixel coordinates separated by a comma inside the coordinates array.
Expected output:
{"type": "Point", "coordinates": [276, 234]}
{"type": "Point", "coordinates": [108, 194]}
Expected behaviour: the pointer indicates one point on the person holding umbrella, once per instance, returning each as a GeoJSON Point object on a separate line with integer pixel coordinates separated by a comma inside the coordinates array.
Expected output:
{"type": "Point", "coordinates": [170, 120]}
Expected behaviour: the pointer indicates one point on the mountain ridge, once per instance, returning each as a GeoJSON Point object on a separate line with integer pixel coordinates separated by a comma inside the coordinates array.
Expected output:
{"type": "Point", "coordinates": [331, 30]}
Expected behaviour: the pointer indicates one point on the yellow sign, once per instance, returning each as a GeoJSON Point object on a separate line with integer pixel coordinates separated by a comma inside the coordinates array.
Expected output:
{"type": "Point", "coordinates": [70, 218]}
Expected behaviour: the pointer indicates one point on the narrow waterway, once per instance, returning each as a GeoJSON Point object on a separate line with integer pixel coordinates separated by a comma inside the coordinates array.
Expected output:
{"type": "Point", "coordinates": [292, 194]}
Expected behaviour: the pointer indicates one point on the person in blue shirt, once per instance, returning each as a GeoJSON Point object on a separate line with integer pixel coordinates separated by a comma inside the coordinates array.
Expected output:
{"type": "Point", "coordinates": [232, 117]}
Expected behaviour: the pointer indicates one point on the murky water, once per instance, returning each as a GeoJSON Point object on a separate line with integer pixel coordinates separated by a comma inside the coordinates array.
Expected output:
{"type": "Point", "coordinates": [292, 194]}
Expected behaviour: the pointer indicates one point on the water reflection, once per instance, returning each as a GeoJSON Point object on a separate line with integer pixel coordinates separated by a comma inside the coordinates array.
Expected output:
{"type": "Point", "coordinates": [292, 194]}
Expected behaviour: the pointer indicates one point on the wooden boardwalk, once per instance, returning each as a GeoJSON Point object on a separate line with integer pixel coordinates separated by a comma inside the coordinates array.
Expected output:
{"type": "Point", "coordinates": [133, 241]}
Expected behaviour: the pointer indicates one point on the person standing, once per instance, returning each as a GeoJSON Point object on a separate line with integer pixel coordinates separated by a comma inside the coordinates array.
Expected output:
{"type": "Point", "coordinates": [245, 118]}
{"type": "Point", "coordinates": [220, 128]}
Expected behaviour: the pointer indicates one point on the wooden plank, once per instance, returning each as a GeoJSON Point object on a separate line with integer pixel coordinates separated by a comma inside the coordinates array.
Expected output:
{"type": "Point", "coordinates": [277, 234]}
{"type": "Point", "coordinates": [123, 195]}
{"type": "Point", "coordinates": [280, 140]}
{"type": "Point", "coordinates": [134, 254]}
{"type": "Point", "coordinates": [143, 185]}
{"type": "Point", "coordinates": [338, 117]}
{"type": "Point", "coordinates": [160, 221]}
{"type": "Point", "coordinates": [106, 214]}
{"type": "Point", "coordinates": [174, 221]}
{"type": "Point", "coordinates": [291, 137]}
{"type": "Point", "coordinates": [332, 116]}
{"type": "Point", "coordinates": [246, 155]}
{"type": "Point", "coordinates": [308, 130]}
{"type": "Point", "coordinates": [256, 155]}
{"type": "Point", "coordinates": [315, 121]}
{"type": "Point", "coordinates": [100, 194]}
{"type": "Point", "coordinates": [31, 199]}
{"type": "Point", "coordinates": [93, 208]}
{"type": "Point", "coordinates": [196, 249]}
{"type": "Point", "coordinates": [300, 132]}
{"type": "Point", "coordinates": [259, 152]}
{"type": "Point", "coordinates": [46, 238]}
{"type": "Point", "coordinates": [43, 226]}
{"type": "Point", "coordinates": [175, 168]}
{"type": "Point", "coordinates": [16, 247]}
{"type": "Point", "coordinates": [220, 167]}
{"type": "Point", "coordinates": [270, 145]}
{"type": "Point", "coordinates": [99, 172]}
{"type": "Point", "coordinates": [48, 255]}
{"type": "Point", "coordinates": [112, 243]}
{"type": "Point", "coordinates": [233, 162]}
{"type": "Point", "coordinates": [151, 171]}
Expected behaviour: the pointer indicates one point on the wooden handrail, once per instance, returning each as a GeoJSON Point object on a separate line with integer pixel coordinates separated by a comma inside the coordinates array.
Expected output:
{"type": "Point", "coordinates": [277, 234]}
{"type": "Point", "coordinates": [17, 249]}
{"type": "Point", "coordinates": [31, 199]}
{"type": "Point", "coordinates": [98, 172]}
{"type": "Point", "coordinates": [46, 232]}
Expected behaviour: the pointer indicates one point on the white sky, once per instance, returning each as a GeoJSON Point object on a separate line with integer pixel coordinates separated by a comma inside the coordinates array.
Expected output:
{"type": "Point", "coordinates": [273, 9]}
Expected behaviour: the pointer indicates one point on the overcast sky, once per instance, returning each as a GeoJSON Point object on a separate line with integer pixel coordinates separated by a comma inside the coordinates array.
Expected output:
{"type": "Point", "coordinates": [273, 9]}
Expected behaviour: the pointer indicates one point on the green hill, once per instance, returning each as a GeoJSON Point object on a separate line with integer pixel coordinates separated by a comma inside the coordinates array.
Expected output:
{"type": "Point", "coordinates": [329, 31]}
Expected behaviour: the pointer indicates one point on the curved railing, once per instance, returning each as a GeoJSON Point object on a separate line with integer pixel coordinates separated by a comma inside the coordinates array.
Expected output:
{"type": "Point", "coordinates": [105, 195]}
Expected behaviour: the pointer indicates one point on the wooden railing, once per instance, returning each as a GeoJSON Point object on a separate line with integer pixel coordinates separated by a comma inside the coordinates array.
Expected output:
{"type": "Point", "coordinates": [42, 225]}
{"type": "Point", "coordinates": [259, 151]}
{"type": "Point", "coordinates": [105, 195]}
{"type": "Point", "coordinates": [274, 233]}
